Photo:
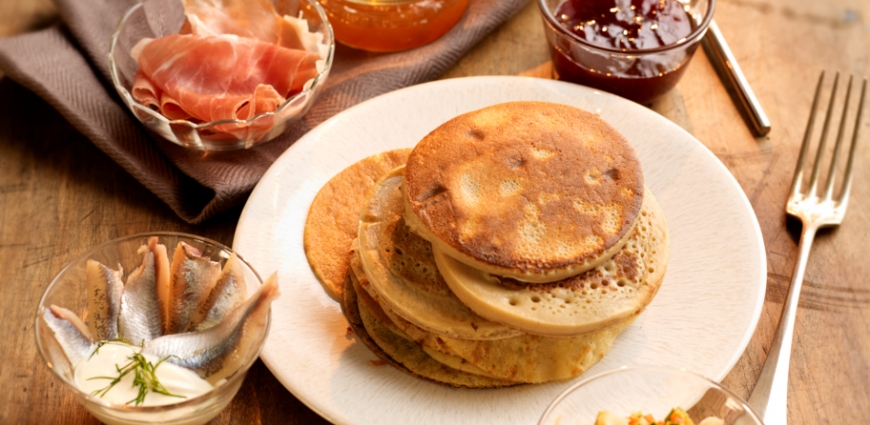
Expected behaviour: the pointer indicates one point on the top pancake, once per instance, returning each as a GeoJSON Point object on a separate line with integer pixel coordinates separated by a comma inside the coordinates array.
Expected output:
{"type": "Point", "coordinates": [533, 191]}
{"type": "Point", "coordinates": [333, 218]}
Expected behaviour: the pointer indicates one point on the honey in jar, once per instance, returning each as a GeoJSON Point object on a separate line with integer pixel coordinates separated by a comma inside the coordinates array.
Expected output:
{"type": "Point", "coordinates": [391, 25]}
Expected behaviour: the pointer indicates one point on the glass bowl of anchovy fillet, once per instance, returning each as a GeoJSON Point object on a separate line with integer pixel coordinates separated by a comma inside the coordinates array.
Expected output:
{"type": "Point", "coordinates": [154, 328]}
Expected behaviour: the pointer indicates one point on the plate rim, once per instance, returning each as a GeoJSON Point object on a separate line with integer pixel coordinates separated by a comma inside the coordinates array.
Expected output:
{"type": "Point", "coordinates": [313, 135]}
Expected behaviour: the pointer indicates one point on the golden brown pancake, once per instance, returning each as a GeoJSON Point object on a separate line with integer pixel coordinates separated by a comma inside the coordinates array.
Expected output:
{"type": "Point", "coordinates": [533, 191]}
{"type": "Point", "coordinates": [525, 358]}
{"type": "Point", "coordinates": [522, 359]}
{"type": "Point", "coordinates": [332, 221]}
{"type": "Point", "coordinates": [359, 281]}
{"type": "Point", "coordinates": [455, 362]}
{"type": "Point", "coordinates": [367, 297]}
{"type": "Point", "coordinates": [371, 305]}
{"type": "Point", "coordinates": [403, 354]}
{"type": "Point", "coordinates": [401, 270]}
{"type": "Point", "coordinates": [618, 288]}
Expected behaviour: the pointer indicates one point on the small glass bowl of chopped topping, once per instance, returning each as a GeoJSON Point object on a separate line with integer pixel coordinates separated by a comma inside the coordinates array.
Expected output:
{"type": "Point", "coordinates": [639, 395]}
{"type": "Point", "coordinates": [96, 306]}
{"type": "Point", "coordinates": [222, 75]}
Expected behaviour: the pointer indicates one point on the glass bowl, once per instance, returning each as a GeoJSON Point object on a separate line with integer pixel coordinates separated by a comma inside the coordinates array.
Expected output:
{"type": "Point", "coordinates": [158, 18]}
{"type": "Point", "coordinates": [68, 290]}
{"type": "Point", "coordinates": [641, 75]}
{"type": "Point", "coordinates": [648, 389]}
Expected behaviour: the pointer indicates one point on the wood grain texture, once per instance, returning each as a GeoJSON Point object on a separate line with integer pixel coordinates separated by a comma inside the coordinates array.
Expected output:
{"type": "Point", "coordinates": [59, 196]}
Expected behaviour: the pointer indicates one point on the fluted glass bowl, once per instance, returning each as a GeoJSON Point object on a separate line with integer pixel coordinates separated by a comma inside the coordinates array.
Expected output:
{"type": "Point", "coordinates": [648, 389]}
{"type": "Point", "coordinates": [68, 289]}
{"type": "Point", "coordinates": [158, 18]}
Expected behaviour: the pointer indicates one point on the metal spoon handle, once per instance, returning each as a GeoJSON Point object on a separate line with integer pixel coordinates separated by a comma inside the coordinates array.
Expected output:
{"type": "Point", "coordinates": [722, 58]}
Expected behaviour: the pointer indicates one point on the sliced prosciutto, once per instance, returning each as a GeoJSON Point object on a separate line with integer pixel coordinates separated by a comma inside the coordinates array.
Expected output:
{"type": "Point", "coordinates": [255, 19]}
{"type": "Point", "coordinates": [211, 78]}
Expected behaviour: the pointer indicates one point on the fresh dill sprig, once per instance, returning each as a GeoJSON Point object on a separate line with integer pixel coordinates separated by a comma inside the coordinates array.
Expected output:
{"type": "Point", "coordinates": [144, 378]}
{"type": "Point", "coordinates": [97, 350]}
{"type": "Point", "coordinates": [100, 344]}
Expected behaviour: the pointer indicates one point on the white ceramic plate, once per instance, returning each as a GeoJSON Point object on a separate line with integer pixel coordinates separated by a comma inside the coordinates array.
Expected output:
{"type": "Point", "coordinates": [701, 319]}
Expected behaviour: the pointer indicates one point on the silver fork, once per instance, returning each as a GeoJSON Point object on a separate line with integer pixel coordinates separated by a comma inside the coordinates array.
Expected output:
{"type": "Point", "coordinates": [768, 399]}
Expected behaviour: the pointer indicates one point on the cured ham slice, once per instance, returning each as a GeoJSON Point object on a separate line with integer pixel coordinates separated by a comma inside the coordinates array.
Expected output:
{"type": "Point", "coordinates": [255, 19]}
{"type": "Point", "coordinates": [219, 77]}
{"type": "Point", "coordinates": [145, 92]}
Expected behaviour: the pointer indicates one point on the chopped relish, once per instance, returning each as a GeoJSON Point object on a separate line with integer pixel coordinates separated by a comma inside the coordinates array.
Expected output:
{"type": "Point", "coordinates": [677, 416]}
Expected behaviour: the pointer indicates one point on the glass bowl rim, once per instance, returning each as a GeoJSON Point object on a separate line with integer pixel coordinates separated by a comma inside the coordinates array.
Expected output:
{"type": "Point", "coordinates": [693, 37]}
{"type": "Point", "coordinates": [145, 409]}
{"type": "Point", "coordinates": [135, 106]}
{"type": "Point", "coordinates": [653, 368]}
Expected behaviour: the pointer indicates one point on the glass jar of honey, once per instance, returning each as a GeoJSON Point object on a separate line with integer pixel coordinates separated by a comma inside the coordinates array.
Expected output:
{"type": "Point", "coordinates": [391, 25]}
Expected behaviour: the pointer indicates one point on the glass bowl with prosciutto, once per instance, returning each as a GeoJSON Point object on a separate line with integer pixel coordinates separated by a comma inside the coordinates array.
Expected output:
{"type": "Point", "coordinates": [154, 328]}
{"type": "Point", "coordinates": [648, 395]}
{"type": "Point", "coordinates": [221, 74]}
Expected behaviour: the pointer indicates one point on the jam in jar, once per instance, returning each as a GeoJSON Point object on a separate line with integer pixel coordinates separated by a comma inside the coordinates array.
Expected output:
{"type": "Point", "coordinates": [637, 49]}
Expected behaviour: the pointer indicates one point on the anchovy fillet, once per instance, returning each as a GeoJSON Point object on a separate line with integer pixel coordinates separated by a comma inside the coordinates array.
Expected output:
{"type": "Point", "coordinates": [104, 287]}
{"type": "Point", "coordinates": [228, 293]}
{"type": "Point", "coordinates": [142, 302]}
{"type": "Point", "coordinates": [70, 332]}
{"type": "Point", "coordinates": [217, 352]}
{"type": "Point", "coordinates": [192, 277]}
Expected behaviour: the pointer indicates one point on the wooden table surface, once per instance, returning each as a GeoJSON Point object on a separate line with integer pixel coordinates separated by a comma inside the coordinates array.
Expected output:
{"type": "Point", "coordinates": [60, 195]}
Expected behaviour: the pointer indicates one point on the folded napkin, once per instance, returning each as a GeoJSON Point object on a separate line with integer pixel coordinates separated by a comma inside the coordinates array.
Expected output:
{"type": "Point", "coordinates": [67, 65]}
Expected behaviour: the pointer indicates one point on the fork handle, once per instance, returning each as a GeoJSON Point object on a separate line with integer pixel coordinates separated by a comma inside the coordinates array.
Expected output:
{"type": "Point", "coordinates": [770, 395]}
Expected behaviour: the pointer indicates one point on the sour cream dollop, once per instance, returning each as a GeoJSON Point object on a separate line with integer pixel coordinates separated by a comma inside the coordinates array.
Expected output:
{"type": "Point", "coordinates": [112, 356]}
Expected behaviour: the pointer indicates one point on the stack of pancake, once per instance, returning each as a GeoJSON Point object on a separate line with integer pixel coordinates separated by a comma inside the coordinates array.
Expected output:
{"type": "Point", "coordinates": [514, 247]}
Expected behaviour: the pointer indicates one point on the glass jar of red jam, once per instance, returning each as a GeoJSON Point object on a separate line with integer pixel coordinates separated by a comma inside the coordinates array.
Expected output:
{"type": "Point", "coordinates": [637, 49]}
{"type": "Point", "coordinates": [391, 25]}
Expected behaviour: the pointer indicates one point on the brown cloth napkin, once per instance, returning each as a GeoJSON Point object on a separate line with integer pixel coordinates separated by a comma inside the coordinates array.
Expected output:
{"type": "Point", "coordinates": [67, 65]}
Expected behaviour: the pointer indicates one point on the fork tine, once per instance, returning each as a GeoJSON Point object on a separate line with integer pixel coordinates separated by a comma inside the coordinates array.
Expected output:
{"type": "Point", "coordinates": [847, 180]}
{"type": "Point", "coordinates": [814, 179]}
{"type": "Point", "coordinates": [829, 186]}
{"type": "Point", "coordinates": [802, 157]}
